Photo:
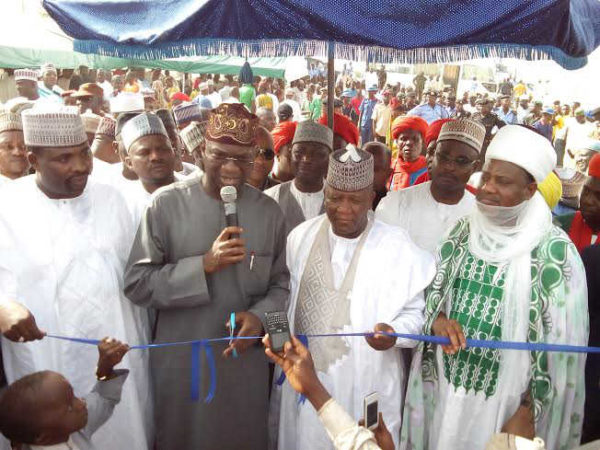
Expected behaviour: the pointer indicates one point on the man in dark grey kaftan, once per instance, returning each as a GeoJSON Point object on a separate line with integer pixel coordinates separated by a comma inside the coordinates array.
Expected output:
{"type": "Point", "coordinates": [186, 264]}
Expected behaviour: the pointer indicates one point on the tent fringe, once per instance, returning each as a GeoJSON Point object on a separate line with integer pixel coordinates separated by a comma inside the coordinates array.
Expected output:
{"type": "Point", "coordinates": [279, 48]}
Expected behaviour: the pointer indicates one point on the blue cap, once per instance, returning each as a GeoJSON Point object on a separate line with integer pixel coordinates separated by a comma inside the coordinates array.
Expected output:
{"type": "Point", "coordinates": [348, 93]}
{"type": "Point", "coordinates": [548, 111]}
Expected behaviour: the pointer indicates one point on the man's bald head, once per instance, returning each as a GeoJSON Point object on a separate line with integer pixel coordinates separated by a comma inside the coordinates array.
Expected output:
{"type": "Point", "coordinates": [266, 118]}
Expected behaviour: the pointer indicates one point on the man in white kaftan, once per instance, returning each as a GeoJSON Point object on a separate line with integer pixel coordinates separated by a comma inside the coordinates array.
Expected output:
{"type": "Point", "coordinates": [339, 284]}
{"type": "Point", "coordinates": [64, 241]}
{"type": "Point", "coordinates": [428, 210]}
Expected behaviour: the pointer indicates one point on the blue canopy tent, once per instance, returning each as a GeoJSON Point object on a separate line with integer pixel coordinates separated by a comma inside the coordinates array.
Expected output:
{"type": "Point", "coordinates": [383, 31]}
{"type": "Point", "coordinates": [386, 31]}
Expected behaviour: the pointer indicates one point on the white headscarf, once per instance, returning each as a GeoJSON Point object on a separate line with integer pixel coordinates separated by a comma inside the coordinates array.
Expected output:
{"type": "Point", "coordinates": [506, 236]}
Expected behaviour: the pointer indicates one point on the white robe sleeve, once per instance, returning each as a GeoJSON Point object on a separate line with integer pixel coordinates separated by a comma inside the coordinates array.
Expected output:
{"type": "Point", "coordinates": [410, 320]}
{"type": "Point", "coordinates": [345, 433]}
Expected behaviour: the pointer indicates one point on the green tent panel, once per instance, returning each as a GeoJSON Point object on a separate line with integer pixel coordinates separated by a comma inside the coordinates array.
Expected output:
{"type": "Point", "coordinates": [14, 58]}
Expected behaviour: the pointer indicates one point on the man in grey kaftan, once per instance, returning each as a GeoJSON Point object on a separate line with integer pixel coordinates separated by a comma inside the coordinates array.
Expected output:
{"type": "Point", "coordinates": [168, 270]}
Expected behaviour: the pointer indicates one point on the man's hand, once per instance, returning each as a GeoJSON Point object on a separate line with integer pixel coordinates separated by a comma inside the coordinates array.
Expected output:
{"type": "Point", "coordinates": [297, 364]}
{"type": "Point", "coordinates": [111, 353]}
{"type": "Point", "coordinates": [17, 323]}
{"type": "Point", "coordinates": [521, 423]}
{"type": "Point", "coordinates": [225, 251]}
{"type": "Point", "coordinates": [382, 434]}
{"type": "Point", "coordinates": [381, 341]}
{"type": "Point", "coordinates": [442, 326]}
{"type": "Point", "coordinates": [248, 325]}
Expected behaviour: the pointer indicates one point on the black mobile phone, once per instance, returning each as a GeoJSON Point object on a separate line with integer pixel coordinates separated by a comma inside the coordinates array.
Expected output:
{"type": "Point", "coordinates": [278, 328]}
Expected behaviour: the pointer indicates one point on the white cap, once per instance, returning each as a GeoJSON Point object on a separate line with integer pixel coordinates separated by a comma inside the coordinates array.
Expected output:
{"type": "Point", "coordinates": [48, 67]}
{"type": "Point", "coordinates": [127, 102]}
{"type": "Point", "coordinates": [90, 121]}
{"type": "Point", "coordinates": [26, 74]}
{"type": "Point", "coordinates": [10, 121]}
{"type": "Point", "coordinates": [192, 136]}
{"type": "Point", "coordinates": [53, 125]}
{"type": "Point", "coordinates": [524, 148]}
{"type": "Point", "coordinates": [145, 124]}
{"type": "Point", "coordinates": [203, 86]}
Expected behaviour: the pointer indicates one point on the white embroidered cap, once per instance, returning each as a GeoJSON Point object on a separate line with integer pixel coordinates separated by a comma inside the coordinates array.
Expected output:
{"type": "Point", "coordinates": [145, 124]}
{"type": "Point", "coordinates": [192, 136]}
{"type": "Point", "coordinates": [465, 130]}
{"type": "Point", "coordinates": [127, 102]}
{"type": "Point", "coordinates": [186, 112]}
{"type": "Point", "coordinates": [107, 126]}
{"type": "Point", "coordinates": [350, 169]}
{"type": "Point", "coordinates": [10, 121]}
{"type": "Point", "coordinates": [53, 125]}
{"type": "Point", "coordinates": [26, 74]}
{"type": "Point", "coordinates": [90, 121]}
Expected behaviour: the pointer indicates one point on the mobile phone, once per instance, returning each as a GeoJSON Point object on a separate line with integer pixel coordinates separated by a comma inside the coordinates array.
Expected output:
{"type": "Point", "coordinates": [278, 328]}
{"type": "Point", "coordinates": [371, 411]}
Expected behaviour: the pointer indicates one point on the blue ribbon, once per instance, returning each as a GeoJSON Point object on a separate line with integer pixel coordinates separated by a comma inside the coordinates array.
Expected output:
{"type": "Point", "coordinates": [196, 375]}
{"type": "Point", "coordinates": [205, 344]}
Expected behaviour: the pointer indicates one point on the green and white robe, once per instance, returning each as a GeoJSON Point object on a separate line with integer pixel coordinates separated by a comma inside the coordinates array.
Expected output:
{"type": "Point", "coordinates": [454, 401]}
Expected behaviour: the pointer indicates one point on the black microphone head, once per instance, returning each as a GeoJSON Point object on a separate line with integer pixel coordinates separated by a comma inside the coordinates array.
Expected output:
{"type": "Point", "coordinates": [228, 194]}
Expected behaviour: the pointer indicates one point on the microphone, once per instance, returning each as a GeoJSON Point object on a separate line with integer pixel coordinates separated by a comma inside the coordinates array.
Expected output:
{"type": "Point", "coordinates": [229, 196]}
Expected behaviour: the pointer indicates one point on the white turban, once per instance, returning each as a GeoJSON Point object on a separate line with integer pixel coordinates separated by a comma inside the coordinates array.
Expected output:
{"type": "Point", "coordinates": [525, 148]}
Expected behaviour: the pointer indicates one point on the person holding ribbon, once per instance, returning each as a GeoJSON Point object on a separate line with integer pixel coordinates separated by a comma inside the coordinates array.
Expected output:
{"type": "Point", "coordinates": [351, 273]}
{"type": "Point", "coordinates": [505, 273]}
{"type": "Point", "coordinates": [195, 271]}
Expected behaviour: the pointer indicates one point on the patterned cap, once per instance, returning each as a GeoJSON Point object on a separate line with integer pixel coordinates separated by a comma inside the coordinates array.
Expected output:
{"type": "Point", "coordinates": [192, 136]}
{"type": "Point", "coordinates": [10, 121]}
{"type": "Point", "coordinates": [232, 123]}
{"type": "Point", "coordinates": [145, 124]}
{"type": "Point", "coordinates": [465, 130]}
{"type": "Point", "coordinates": [48, 67]}
{"type": "Point", "coordinates": [350, 169]}
{"type": "Point", "coordinates": [167, 117]}
{"type": "Point", "coordinates": [107, 126]}
{"type": "Point", "coordinates": [127, 102]}
{"type": "Point", "coordinates": [186, 112]}
{"type": "Point", "coordinates": [90, 121]}
{"type": "Point", "coordinates": [310, 131]}
{"type": "Point", "coordinates": [53, 125]}
{"type": "Point", "coordinates": [26, 74]}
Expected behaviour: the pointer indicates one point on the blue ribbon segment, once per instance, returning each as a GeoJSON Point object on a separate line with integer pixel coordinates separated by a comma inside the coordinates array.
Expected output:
{"type": "Point", "coordinates": [196, 371]}
{"type": "Point", "coordinates": [198, 347]}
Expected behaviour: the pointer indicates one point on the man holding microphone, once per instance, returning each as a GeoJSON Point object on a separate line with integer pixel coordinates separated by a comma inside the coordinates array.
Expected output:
{"type": "Point", "coordinates": [194, 270]}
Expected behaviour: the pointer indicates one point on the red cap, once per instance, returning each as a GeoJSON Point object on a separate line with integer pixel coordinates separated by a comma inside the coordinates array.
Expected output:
{"type": "Point", "coordinates": [594, 167]}
{"type": "Point", "coordinates": [434, 130]}
{"type": "Point", "coordinates": [404, 123]}
{"type": "Point", "coordinates": [283, 134]}
{"type": "Point", "coordinates": [343, 127]}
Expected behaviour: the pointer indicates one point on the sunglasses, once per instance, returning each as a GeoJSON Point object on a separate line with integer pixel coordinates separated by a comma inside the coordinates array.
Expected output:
{"type": "Point", "coordinates": [266, 153]}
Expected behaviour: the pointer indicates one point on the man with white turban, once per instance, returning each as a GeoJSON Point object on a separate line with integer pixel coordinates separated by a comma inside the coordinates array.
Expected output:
{"type": "Point", "coordinates": [505, 272]}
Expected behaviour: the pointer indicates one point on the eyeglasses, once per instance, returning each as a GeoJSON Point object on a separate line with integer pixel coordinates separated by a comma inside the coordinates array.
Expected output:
{"type": "Point", "coordinates": [245, 161]}
{"type": "Point", "coordinates": [458, 162]}
{"type": "Point", "coordinates": [266, 153]}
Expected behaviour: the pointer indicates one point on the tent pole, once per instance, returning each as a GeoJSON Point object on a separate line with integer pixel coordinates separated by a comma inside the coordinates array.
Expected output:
{"type": "Point", "coordinates": [330, 83]}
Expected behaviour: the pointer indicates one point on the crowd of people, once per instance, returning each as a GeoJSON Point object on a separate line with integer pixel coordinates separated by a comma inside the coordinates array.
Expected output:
{"type": "Point", "coordinates": [417, 214]}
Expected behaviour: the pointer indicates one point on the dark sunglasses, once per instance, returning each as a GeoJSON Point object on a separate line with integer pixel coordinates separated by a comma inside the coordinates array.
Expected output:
{"type": "Point", "coordinates": [266, 153]}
